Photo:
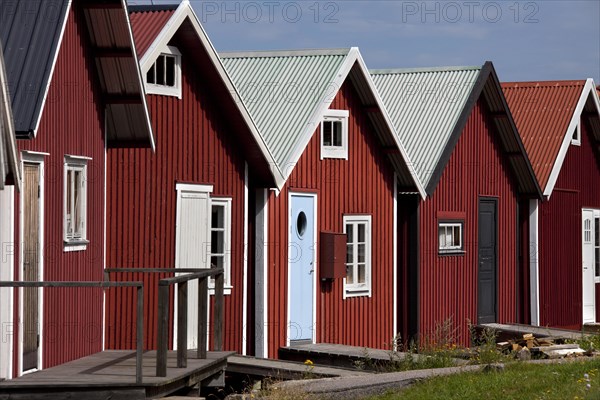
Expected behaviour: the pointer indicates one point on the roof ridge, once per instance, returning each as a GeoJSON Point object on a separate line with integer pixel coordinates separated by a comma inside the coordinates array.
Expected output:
{"type": "Point", "coordinates": [138, 8]}
{"type": "Point", "coordinates": [390, 71]}
{"type": "Point", "coordinates": [285, 53]}
{"type": "Point", "coordinates": [556, 83]}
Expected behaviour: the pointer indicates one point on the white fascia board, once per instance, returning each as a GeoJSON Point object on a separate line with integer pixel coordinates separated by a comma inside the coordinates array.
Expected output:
{"type": "Point", "coordinates": [139, 74]}
{"type": "Point", "coordinates": [186, 11]}
{"type": "Point", "coordinates": [564, 147]}
{"type": "Point", "coordinates": [388, 121]}
{"type": "Point", "coordinates": [315, 119]}
{"type": "Point", "coordinates": [11, 145]}
{"type": "Point", "coordinates": [52, 66]}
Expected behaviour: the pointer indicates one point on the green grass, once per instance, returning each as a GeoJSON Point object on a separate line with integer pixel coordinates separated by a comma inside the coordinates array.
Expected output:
{"type": "Point", "coordinates": [517, 381]}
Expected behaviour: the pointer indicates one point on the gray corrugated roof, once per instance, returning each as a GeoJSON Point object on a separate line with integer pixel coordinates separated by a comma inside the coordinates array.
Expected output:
{"type": "Point", "coordinates": [282, 90]}
{"type": "Point", "coordinates": [9, 160]}
{"type": "Point", "coordinates": [425, 106]}
{"type": "Point", "coordinates": [30, 32]}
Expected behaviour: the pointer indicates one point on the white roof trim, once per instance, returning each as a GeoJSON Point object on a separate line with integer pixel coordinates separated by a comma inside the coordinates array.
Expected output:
{"type": "Point", "coordinates": [10, 140]}
{"type": "Point", "coordinates": [54, 60]}
{"type": "Point", "coordinates": [183, 11]}
{"type": "Point", "coordinates": [589, 88]}
{"type": "Point", "coordinates": [139, 74]}
{"type": "Point", "coordinates": [388, 121]}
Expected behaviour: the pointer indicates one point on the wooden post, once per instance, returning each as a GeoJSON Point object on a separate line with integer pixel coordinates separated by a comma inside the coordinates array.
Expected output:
{"type": "Point", "coordinates": [163, 330]}
{"type": "Point", "coordinates": [202, 316]}
{"type": "Point", "coordinates": [219, 311]}
{"type": "Point", "coordinates": [140, 335]}
{"type": "Point", "coordinates": [182, 324]}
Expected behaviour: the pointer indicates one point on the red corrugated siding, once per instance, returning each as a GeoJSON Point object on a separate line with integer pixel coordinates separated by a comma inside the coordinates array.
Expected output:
{"type": "Point", "coordinates": [72, 123]}
{"type": "Point", "coordinates": [194, 144]}
{"type": "Point", "coordinates": [146, 26]}
{"type": "Point", "coordinates": [448, 284]}
{"type": "Point", "coordinates": [560, 235]}
{"type": "Point", "coordinates": [524, 308]}
{"type": "Point", "coordinates": [361, 185]}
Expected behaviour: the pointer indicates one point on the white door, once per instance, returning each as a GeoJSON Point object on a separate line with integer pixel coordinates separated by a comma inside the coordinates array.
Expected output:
{"type": "Point", "coordinates": [192, 246]}
{"type": "Point", "coordinates": [589, 290]}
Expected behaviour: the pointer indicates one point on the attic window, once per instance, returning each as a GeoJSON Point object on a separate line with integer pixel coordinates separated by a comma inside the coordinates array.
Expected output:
{"type": "Point", "coordinates": [164, 76]}
{"type": "Point", "coordinates": [334, 134]}
{"type": "Point", "coordinates": [576, 138]}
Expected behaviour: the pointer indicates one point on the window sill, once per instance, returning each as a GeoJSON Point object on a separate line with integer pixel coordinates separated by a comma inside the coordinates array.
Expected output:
{"type": "Point", "coordinates": [340, 154]}
{"type": "Point", "coordinates": [451, 252]}
{"type": "Point", "coordinates": [75, 245]}
{"type": "Point", "coordinates": [174, 91]}
{"type": "Point", "coordinates": [226, 290]}
{"type": "Point", "coordinates": [349, 293]}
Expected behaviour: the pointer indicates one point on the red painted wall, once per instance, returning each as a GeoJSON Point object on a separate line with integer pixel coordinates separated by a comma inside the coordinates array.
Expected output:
{"type": "Point", "coordinates": [560, 235]}
{"type": "Point", "coordinates": [361, 185]}
{"type": "Point", "coordinates": [448, 283]}
{"type": "Point", "coordinates": [194, 144]}
{"type": "Point", "coordinates": [72, 124]}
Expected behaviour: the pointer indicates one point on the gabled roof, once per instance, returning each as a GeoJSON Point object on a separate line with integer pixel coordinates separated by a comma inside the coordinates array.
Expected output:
{"type": "Point", "coordinates": [9, 161]}
{"type": "Point", "coordinates": [181, 21]}
{"type": "Point", "coordinates": [546, 114]}
{"type": "Point", "coordinates": [430, 107]}
{"type": "Point", "coordinates": [32, 32]}
{"type": "Point", "coordinates": [288, 92]}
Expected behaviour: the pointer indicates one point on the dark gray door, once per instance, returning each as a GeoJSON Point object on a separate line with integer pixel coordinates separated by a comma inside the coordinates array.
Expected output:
{"type": "Point", "coordinates": [486, 307]}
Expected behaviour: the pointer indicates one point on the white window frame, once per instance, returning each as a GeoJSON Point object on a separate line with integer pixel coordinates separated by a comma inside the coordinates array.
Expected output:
{"type": "Point", "coordinates": [596, 243]}
{"type": "Point", "coordinates": [452, 249]}
{"type": "Point", "coordinates": [576, 140]}
{"type": "Point", "coordinates": [153, 88]}
{"type": "Point", "coordinates": [335, 151]}
{"type": "Point", "coordinates": [225, 202]}
{"type": "Point", "coordinates": [360, 289]}
{"type": "Point", "coordinates": [75, 163]}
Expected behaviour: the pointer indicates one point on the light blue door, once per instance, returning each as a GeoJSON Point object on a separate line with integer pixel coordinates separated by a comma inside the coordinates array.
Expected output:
{"type": "Point", "coordinates": [301, 263]}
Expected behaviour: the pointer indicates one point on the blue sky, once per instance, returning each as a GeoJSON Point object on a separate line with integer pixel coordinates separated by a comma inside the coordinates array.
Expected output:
{"type": "Point", "coordinates": [526, 40]}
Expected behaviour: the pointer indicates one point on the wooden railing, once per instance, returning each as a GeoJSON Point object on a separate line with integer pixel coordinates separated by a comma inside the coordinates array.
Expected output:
{"type": "Point", "coordinates": [188, 274]}
{"type": "Point", "coordinates": [90, 284]}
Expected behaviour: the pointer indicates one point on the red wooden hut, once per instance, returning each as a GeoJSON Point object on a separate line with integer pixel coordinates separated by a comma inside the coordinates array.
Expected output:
{"type": "Point", "coordinates": [460, 264]}
{"type": "Point", "coordinates": [559, 122]}
{"type": "Point", "coordinates": [75, 90]}
{"type": "Point", "coordinates": [325, 254]}
{"type": "Point", "coordinates": [187, 204]}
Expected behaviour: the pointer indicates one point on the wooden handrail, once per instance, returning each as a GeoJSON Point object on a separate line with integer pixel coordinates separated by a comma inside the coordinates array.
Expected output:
{"type": "Point", "coordinates": [103, 284]}
{"type": "Point", "coordinates": [202, 275]}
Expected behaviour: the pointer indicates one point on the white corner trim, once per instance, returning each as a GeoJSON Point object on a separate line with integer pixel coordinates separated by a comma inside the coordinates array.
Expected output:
{"type": "Point", "coordinates": [534, 245]}
{"type": "Point", "coordinates": [575, 119]}
{"type": "Point", "coordinates": [245, 266]}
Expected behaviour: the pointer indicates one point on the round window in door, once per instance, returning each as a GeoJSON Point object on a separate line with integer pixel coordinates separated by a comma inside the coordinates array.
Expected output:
{"type": "Point", "coordinates": [301, 223]}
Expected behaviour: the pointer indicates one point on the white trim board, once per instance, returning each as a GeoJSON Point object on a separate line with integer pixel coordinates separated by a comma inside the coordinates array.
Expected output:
{"type": "Point", "coordinates": [589, 89]}
{"type": "Point", "coordinates": [7, 268]}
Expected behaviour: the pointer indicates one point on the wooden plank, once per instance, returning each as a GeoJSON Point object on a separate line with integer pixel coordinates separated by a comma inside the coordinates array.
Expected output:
{"type": "Point", "coordinates": [219, 312]}
{"type": "Point", "coordinates": [139, 362]}
{"type": "Point", "coordinates": [202, 317]}
{"type": "Point", "coordinates": [163, 331]}
{"type": "Point", "coordinates": [182, 324]}
{"type": "Point", "coordinates": [121, 394]}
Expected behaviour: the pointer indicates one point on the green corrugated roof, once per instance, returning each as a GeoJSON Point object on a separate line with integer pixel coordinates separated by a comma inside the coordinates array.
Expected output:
{"type": "Point", "coordinates": [424, 106]}
{"type": "Point", "coordinates": [283, 90]}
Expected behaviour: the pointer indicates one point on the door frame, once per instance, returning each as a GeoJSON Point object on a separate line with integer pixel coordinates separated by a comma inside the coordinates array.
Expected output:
{"type": "Point", "coordinates": [38, 158]}
{"type": "Point", "coordinates": [313, 195]}
{"type": "Point", "coordinates": [595, 214]}
{"type": "Point", "coordinates": [494, 200]}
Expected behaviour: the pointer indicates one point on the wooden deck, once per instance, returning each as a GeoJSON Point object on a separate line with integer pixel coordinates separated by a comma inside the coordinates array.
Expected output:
{"type": "Point", "coordinates": [111, 375]}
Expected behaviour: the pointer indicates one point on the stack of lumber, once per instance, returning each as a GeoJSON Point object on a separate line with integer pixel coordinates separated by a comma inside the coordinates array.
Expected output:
{"type": "Point", "coordinates": [541, 347]}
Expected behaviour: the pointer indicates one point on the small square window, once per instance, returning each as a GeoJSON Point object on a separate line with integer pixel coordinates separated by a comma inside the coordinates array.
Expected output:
{"type": "Point", "coordinates": [75, 203]}
{"type": "Point", "coordinates": [164, 76]}
{"type": "Point", "coordinates": [450, 237]}
{"type": "Point", "coordinates": [334, 134]}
